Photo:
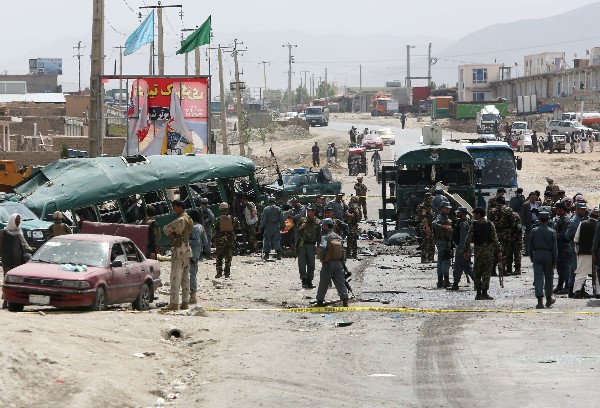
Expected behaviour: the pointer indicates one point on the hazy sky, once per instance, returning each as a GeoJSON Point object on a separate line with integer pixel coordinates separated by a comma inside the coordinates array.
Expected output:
{"type": "Point", "coordinates": [35, 28]}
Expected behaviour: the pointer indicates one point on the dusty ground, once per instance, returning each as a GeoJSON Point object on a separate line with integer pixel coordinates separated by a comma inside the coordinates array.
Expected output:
{"type": "Point", "coordinates": [255, 352]}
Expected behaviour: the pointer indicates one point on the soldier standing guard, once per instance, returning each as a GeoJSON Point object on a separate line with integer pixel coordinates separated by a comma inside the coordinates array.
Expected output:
{"type": "Point", "coordinates": [308, 234]}
{"type": "Point", "coordinates": [543, 252]}
{"type": "Point", "coordinates": [179, 232]}
{"type": "Point", "coordinates": [224, 239]}
{"type": "Point", "coordinates": [425, 219]}
{"type": "Point", "coordinates": [515, 245]}
{"type": "Point", "coordinates": [58, 228]}
{"type": "Point", "coordinates": [483, 236]}
{"type": "Point", "coordinates": [443, 231]}
{"type": "Point", "coordinates": [353, 217]}
{"type": "Point", "coordinates": [331, 255]}
{"type": "Point", "coordinates": [502, 218]}
{"type": "Point", "coordinates": [563, 246]}
{"type": "Point", "coordinates": [459, 235]}
{"type": "Point", "coordinates": [272, 223]}
{"type": "Point", "coordinates": [361, 192]}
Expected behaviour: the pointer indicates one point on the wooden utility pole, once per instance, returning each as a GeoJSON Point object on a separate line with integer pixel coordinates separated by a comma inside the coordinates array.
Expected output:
{"type": "Point", "coordinates": [290, 62]}
{"type": "Point", "coordinates": [120, 70]}
{"type": "Point", "coordinates": [159, 15]}
{"type": "Point", "coordinates": [360, 98]}
{"type": "Point", "coordinates": [78, 55]}
{"type": "Point", "coordinates": [429, 67]}
{"type": "Point", "coordinates": [96, 88]}
{"type": "Point", "coordinates": [186, 60]}
{"type": "Point", "coordinates": [264, 64]}
{"type": "Point", "coordinates": [224, 138]}
{"type": "Point", "coordinates": [196, 54]}
{"type": "Point", "coordinates": [238, 93]}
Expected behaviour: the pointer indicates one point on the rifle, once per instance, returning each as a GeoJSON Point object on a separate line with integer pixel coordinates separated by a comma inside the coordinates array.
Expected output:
{"type": "Point", "coordinates": [347, 275]}
{"type": "Point", "coordinates": [279, 176]}
{"type": "Point", "coordinates": [501, 269]}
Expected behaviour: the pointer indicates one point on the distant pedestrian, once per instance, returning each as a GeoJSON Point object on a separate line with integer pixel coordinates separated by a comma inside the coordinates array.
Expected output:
{"type": "Point", "coordinates": [584, 239]}
{"type": "Point", "coordinates": [13, 246]}
{"type": "Point", "coordinates": [543, 252]}
{"type": "Point", "coordinates": [361, 191]}
{"type": "Point", "coordinates": [271, 223]}
{"type": "Point", "coordinates": [582, 141]}
{"type": "Point", "coordinates": [442, 226]}
{"type": "Point", "coordinates": [316, 160]}
{"type": "Point", "coordinates": [333, 153]}
{"type": "Point", "coordinates": [425, 217]}
{"type": "Point", "coordinates": [403, 119]}
{"type": "Point", "coordinates": [198, 243]}
{"type": "Point", "coordinates": [521, 142]}
{"type": "Point", "coordinates": [308, 235]}
{"type": "Point", "coordinates": [534, 142]}
{"type": "Point", "coordinates": [375, 159]}
{"type": "Point", "coordinates": [208, 221]}
{"type": "Point", "coordinates": [550, 140]}
{"type": "Point", "coordinates": [328, 153]}
{"type": "Point", "coordinates": [591, 139]}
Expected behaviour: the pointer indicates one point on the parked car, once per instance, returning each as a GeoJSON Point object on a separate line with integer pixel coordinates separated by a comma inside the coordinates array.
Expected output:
{"type": "Point", "coordinates": [290, 115]}
{"type": "Point", "coordinates": [84, 270]}
{"type": "Point", "coordinates": [34, 229]}
{"type": "Point", "coordinates": [565, 127]}
{"type": "Point", "coordinates": [387, 136]}
{"type": "Point", "coordinates": [372, 142]}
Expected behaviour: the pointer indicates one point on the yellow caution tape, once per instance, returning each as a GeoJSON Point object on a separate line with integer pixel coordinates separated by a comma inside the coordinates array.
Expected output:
{"type": "Point", "coordinates": [395, 310]}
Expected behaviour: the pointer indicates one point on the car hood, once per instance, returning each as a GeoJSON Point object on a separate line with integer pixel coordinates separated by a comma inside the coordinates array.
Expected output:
{"type": "Point", "coordinates": [51, 271]}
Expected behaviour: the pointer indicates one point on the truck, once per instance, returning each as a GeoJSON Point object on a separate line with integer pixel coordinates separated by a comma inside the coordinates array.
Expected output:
{"type": "Point", "coordinates": [384, 106]}
{"type": "Point", "coordinates": [488, 119]}
{"type": "Point", "coordinates": [588, 118]}
{"type": "Point", "coordinates": [12, 174]}
{"type": "Point", "coordinates": [303, 184]}
{"type": "Point", "coordinates": [317, 115]}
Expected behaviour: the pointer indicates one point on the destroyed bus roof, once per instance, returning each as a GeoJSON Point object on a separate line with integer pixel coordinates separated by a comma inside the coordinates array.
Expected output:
{"type": "Point", "coordinates": [447, 153]}
{"type": "Point", "coordinates": [77, 183]}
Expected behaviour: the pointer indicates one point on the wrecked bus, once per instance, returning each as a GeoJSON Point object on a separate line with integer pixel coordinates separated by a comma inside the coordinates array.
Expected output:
{"type": "Point", "coordinates": [117, 189]}
{"type": "Point", "coordinates": [416, 170]}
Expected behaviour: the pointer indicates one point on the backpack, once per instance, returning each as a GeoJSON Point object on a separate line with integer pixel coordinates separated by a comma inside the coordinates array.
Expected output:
{"type": "Point", "coordinates": [335, 250]}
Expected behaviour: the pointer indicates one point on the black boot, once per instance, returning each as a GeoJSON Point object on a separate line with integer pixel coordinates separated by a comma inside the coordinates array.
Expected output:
{"type": "Point", "coordinates": [309, 284]}
{"type": "Point", "coordinates": [485, 296]}
{"type": "Point", "coordinates": [266, 256]}
{"type": "Point", "coordinates": [550, 301]}
{"type": "Point", "coordinates": [571, 294]}
{"type": "Point", "coordinates": [440, 282]}
{"type": "Point", "coordinates": [304, 283]}
{"type": "Point", "coordinates": [559, 286]}
{"type": "Point", "coordinates": [345, 302]}
{"type": "Point", "coordinates": [447, 283]}
{"type": "Point", "coordinates": [478, 296]}
{"type": "Point", "coordinates": [319, 303]}
{"type": "Point", "coordinates": [540, 304]}
{"type": "Point", "coordinates": [218, 275]}
{"type": "Point", "coordinates": [454, 286]}
{"type": "Point", "coordinates": [517, 270]}
{"type": "Point", "coordinates": [227, 272]}
{"type": "Point", "coordinates": [279, 255]}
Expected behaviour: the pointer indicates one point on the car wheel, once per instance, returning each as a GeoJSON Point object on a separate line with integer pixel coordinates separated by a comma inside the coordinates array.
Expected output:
{"type": "Point", "coordinates": [15, 307]}
{"type": "Point", "coordinates": [144, 299]}
{"type": "Point", "coordinates": [100, 300]}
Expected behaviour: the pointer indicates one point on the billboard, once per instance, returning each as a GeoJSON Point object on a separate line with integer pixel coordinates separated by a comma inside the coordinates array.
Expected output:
{"type": "Point", "coordinates": [168, 115]}
{"type": "Point", "coordinates": [45, 66]}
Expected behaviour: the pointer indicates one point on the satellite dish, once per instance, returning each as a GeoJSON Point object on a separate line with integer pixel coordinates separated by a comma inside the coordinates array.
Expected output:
{"type": "Point", "coordinates": [432, 135]}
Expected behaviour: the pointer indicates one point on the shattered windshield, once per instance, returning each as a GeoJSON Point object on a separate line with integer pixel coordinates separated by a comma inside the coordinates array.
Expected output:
{"type": "Point", "coordinates": [70, 251]}
{"type": "Point", "coordinates": [288, 180]}
{"type": "Point", "coordinates": [497, 166]}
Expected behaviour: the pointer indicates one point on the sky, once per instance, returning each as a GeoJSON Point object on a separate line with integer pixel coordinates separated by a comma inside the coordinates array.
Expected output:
{"type": "Point", "coordinates": [53, 29]}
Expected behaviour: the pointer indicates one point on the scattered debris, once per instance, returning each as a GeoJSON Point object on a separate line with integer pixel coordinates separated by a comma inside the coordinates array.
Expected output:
{"type": "Point", "coordinates": [343, 324]}
{"type": "Point", "coordinates": [197, 311]}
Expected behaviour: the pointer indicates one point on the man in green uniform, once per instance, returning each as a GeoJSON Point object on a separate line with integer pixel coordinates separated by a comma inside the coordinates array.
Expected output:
{"type": "Point", "coordinates": [492, 201]}
{"type": "Point", "coordinates": [443, 232]}
{"type": "Point", "coordinates": [515, 246]}
{"type": "Point", "coordinates": [361, 191]}
{"type": "Point", "coordinates": [224, 240]}
{"type": "Point", "coordinates": [543, 254]}
{"type": "Point", "coordinates": [59, 227]}
{"type": "Point", "coordinates": [425, 219]}
{"type": "Point", "coordinates": [502, 217]}
{"type": "Point", "coordinates": [331, 255]}
{"type": "Point", "coordinates": [308, 234]}
{"type": "Point", "coordinates": [353, 217]}
{"type": "Point", "coordinates": [486, 247]}
{"type": "Point", "coordinates": [179, 232]}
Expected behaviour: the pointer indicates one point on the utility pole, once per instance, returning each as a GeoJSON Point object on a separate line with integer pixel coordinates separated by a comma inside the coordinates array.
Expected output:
{"type": "Point", "coordinates": [312, 85]}
{"type": "Point", "coordinates": [185, 56]}
{"type": "Point", "coordinates": [264, 64]}
{"type": "Point", "coordinates": [429, 67]}
{"type": "Point", "coordinates": [239, 97]}
{"type": "Point", "coordinates": [96, 88]}
{"type": "Point", "coordinates": [159, 15]}
{"type": "Point", "coordinates": [120, 70]}
{"type": "Point", "coordinates": [290, 61]}
{"type": "Point", "coordinates": [78, 55]}
{"type": "Point", "coordinates": [360, 95]}
{"type": "Point", "coordinates": [408, 83]}
{"type": "Point", "coordinates": [224, 138]}
{"type": "Point", "coordinates": [196, 53]}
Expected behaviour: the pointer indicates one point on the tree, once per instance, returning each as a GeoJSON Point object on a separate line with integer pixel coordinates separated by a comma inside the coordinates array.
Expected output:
{"type": "Point", "coordinates": [325, 90]}
{"type": "Point", "coordinates": [301, 95]}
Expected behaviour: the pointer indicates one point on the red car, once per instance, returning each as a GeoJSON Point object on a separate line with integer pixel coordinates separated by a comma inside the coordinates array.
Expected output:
{"type": "Point", "coordinates": [84, 270]}
{"type": "Point", "coordinates": [372, 141]}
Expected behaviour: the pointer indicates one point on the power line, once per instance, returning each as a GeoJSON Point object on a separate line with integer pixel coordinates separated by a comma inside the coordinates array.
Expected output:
{"type": "Point", "coordinates": [114, 29]}
{"type": "Point", "coordinates": [127, 4]}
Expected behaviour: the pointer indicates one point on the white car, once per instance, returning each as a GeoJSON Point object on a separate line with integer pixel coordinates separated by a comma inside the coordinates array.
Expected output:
{"type": "Point", "coordinates": [290, 115]}
{"type": "Point", "coordinates": [565, 127]}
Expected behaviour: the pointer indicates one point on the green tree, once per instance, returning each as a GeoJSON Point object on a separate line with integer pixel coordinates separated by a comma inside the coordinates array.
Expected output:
{"type": "Point", "coordinates": [64, 151]}
{"type": "Point", "coordinates": [325, 90]}
{"type": "Point", "coordinates": [301, 95]}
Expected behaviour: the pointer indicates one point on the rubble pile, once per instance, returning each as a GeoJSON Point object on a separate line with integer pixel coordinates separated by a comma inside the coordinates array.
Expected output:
{"type": "Point", "coordinates": [271, 133]}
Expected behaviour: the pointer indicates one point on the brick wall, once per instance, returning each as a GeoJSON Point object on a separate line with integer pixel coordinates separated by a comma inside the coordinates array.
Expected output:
{"type": "Point", "coordinates": [76, 105]}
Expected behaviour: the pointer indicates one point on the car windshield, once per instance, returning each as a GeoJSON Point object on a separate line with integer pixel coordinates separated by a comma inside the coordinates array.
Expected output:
{"type": "Point", "coordinates": [576, 124]}
{"type": "Point", "coordinates": [497, 166]}
{"type": "Point", "coordinates": [371, 137]}
{"type": "Point", "coordinates": [518, 126]}
{"type": "Point", "coordinates": [289, 180]}
{"type": "Point", "coordinates": [490, 117]}
{"type": "Point", "coordinates": [7, 210]}
{"type": "Point", "coordinates": [385, 132]}
{"type": "Point", "coordinates": [71, 251]}
{"type": "Point", "coordinates": [313, 111]}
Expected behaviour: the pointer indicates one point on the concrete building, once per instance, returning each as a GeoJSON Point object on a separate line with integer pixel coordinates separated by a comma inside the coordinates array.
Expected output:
{"type": "Point", "coordinates": [544, 63]}
{"type": "Point", "coordinates": [474, 81]}
{"type": "Point", "coordinates": [36, 83]}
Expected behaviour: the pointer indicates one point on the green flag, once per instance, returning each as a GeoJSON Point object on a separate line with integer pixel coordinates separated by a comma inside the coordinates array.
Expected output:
{"type": "Point", "coordinates": [199, 37]}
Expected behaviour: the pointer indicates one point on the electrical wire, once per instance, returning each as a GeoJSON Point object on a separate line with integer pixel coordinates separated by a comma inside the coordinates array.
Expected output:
{"type": "Point", "coordinates": [114, 29]}
{"type": "Point", "coordinates": [127, 4]}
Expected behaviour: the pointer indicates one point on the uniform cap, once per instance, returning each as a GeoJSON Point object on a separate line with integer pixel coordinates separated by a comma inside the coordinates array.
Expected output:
{"type": "Point", "coordinates": [446, 205]}
{"type": "Point", "coordinates": [547, 193]}
{"type": "Point", "coordinates": [595, 213]}
{"type": "Point", "coordinates": [581, 205]}
{"type": "Point", "coordinates": [223, 206]}
{"type": "Point", "coordinates": [359, 178]}
{"type": "Point", "coordinates": [328, 208]}
{"type": "Point", "coordinates": [501, 190]}
{"type": "Point", "coordinates": [579, 197]}
{"type": "Point", "coordinates": [559, 204]}
{"type": "Point", "coordinates": [327, 221]}
{"type": "Point", "coordinates": [320, 196]}
{"type": "Point", "coordinates": [519, 190]}
{"type": "Point", "coordinates": [354, 199]}
{"type": "Point", "coordinates": [461, 210]}
{"type": "Point", "coordinates": [204, 200]}
{"type": "Point", "coordinates": [549, 180]}
{"type": "Point", "coordinates": [438, 189]}
{"type": "Point", "coordinates": [272, 199]}
{"type": "Point", "coordinates": [339, 194]}
{"type": "Point", "coordinates": [311, 208]}
{"type": "Point", "coordinates": [544, 215]}
{"type": "Point", "coordinates": [57, 215]}
{"type": "Point", "coordinates": [428, 195]}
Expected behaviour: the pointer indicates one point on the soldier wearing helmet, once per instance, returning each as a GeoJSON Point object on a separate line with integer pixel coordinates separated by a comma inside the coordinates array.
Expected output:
{"type": "Point", "coordinates": [58, 228]}
{"type": "Point", "coordinates": [224, 240]}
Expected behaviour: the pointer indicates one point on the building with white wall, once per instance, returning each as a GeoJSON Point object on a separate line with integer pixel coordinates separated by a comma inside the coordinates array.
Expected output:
{"type": "Point", "coordinates": [544, 63]}
{"type": "Point", "coordinates": [474, 81]}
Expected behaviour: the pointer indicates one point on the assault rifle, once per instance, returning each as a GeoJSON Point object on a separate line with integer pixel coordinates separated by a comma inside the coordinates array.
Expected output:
{"type": "Point", "coordinates": [347, 275]}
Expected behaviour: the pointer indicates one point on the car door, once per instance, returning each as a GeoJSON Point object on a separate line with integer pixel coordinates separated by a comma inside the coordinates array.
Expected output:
{"type": "Point", "coordinates": [118, 290]}
{"type": "Point", "coordinates": [136, 270]}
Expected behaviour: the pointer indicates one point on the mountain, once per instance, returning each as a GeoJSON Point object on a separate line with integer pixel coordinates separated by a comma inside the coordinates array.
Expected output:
{"type": "Point", "coordinates": [571, 32]}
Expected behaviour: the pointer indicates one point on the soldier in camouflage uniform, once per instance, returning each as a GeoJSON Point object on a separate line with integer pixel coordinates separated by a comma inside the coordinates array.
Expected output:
{"type": "Point", "coordinates": [224, 240]}
{"type": "Point", "coordinates": [308, 235]}
{"type": "Point", "coordinates": [425, 219]}
{"type": "Point", "coordinates": [361, 192]}
{"type": "Point", "coordinates": [502, 217]}
{"type": "Point", "coordinates": [483, 236]}
{"type": "Point", "coordinates": [492, 201]}
{"type": "Point", "coordinates": [339, 226]}
{"type": "Point", "coordinates": [515, 245]}
{"type": "Point", "coordinates": [353, 217]}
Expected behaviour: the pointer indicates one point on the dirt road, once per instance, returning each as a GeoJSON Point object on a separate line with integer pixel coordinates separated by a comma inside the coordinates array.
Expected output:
{"type": "Point", "coordinates": [456, 352]}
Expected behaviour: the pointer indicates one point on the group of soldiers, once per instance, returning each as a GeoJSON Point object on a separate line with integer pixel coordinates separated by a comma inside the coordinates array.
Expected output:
{"type": "Point", "coordinates": [559, 233]}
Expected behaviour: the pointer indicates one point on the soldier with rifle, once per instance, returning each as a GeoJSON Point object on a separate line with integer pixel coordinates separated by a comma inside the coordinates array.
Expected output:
{"type": "Point", "coordinates": [460, 230]}
{"type": "Point", "coordinates": [443, 231]}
